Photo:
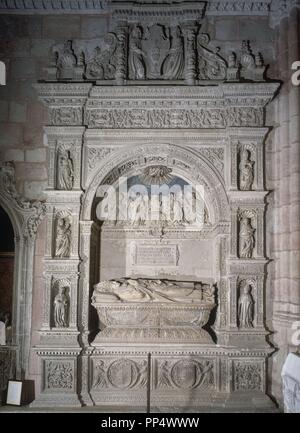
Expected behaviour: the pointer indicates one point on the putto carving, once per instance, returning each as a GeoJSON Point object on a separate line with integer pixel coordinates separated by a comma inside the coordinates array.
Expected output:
{"type": "Point", "coordinates": [65, 170]}
{"type": "Point", "coordinates": [245, 305]}
{"type": "Point", "coordinates": [61, 303]}
{"type": "Point", "coordinates": [63, 235]}
{"type": "Point", "coordinates": [246, 170]}
{"type": "Point", "coordinates": [211, 65]}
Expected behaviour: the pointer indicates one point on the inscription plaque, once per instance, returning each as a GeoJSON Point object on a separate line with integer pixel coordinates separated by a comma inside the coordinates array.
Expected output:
{"type": "Point", "coordinates": [156, 255]}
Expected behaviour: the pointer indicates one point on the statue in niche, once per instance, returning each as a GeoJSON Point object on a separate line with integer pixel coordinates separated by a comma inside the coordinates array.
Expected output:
{"type": "Point", "coordinates": [173, 65]}
{"type": "Point", "coordinates": [136, 58]}
{"type": "Point", "coordinates": [246, 171]}
{"type": "Point", "coordinates": [245, 307]}
{"type": "Point", "coordinates": [66, 61]}
{"type": "Point", "coordinates": [65, 176]}
{"type": "Point", "coordinates": [247, 240]}
{"type": "Point", "coordinates": [61, 305]}
{"type": "Point", "coordinates": [63, 238]}
{"type": "Point", "coordinates": [137, 209]}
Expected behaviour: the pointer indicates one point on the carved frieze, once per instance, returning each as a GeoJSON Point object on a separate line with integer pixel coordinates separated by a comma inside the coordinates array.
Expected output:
{"type": "Point", "coordinates": [185, 374]}
{"type": "Point", "coordinates": [122, 374]}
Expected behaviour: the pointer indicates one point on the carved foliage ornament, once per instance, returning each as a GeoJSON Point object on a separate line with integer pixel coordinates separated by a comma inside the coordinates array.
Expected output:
{"type": "Point", "coordinates": [59, 375]}
{"type": "Point", "coordinates": [246, 304]}
{"type": "Point", "coordinates": [247, 376]}
{"type": "Point", "coordinates": [32, 211]}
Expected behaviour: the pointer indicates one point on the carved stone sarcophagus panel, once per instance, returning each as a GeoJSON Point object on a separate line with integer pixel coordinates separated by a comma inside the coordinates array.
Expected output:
{"type": "Point", "coordinates": [153, 310]}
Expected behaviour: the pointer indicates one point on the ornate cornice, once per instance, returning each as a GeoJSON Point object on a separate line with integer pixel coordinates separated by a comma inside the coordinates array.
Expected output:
{"type": "Point", "coordinates": [53, 6]}
{"type": "Point", "coordinates": [275, 9]}
{"type": "Point", "coordinates": [234, 7]}
{"type": "Point", "coordinates": [132, 9]}
{"type": "Point", "coordinates": [30, 212]}
{"type": "Point", "coordinates": [151, 11]}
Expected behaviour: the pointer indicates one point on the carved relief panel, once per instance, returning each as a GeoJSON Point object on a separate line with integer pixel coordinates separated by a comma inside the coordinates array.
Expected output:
{"type": "Point", "coordinates": [248, 375]}
{"type": "Point", "coordinates": [59, 375]}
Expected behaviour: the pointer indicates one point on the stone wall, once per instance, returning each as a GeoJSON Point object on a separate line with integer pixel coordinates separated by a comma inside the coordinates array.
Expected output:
{"type": "Point", "coordinates": [284, 179]}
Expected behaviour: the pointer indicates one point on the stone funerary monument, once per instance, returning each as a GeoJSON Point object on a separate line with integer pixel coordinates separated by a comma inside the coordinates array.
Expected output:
{"type": "Point", "coordinates": [165, 304]}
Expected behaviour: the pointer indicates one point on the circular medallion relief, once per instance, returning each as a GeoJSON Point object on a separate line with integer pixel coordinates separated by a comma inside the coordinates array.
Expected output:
{"type": "Point", "coordinates": [123, 373]}
{"type": "Point", "coordinates": [185, 374]}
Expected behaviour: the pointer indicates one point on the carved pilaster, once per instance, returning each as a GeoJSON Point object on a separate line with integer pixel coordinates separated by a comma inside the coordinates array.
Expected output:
{"type": "Point", "coordinates": [190, 72]}
{"type": "Point", "coordinates": [122, 54]}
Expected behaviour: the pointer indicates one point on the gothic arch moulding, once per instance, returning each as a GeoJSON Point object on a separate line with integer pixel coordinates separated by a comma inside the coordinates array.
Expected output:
{"type": "Point", "coordinates": [187, 164]}
{"type": "Point", "coordinates": [25, 216]}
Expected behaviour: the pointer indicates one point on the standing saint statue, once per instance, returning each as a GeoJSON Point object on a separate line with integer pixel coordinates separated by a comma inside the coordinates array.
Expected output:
{"type": "Point", "coordinates": [63, 238]}
{"type": "Point", "coordinates": [61, 304]}
{"type": "Point", "coordinates": [137, 209]}
{"type": "Point", "coordinates": [245, 308]}
{"type": "Point", "coordinates": [176, 208]}
{"type": "Point", "coordinates": [246, 171]}
{"type": "Point", "coordinates": [65, 175]}
{"type": "Point", "coordinates": [173, 65]}
{"type": "Point", "coordinates": [136, 55]}
{"type": "Point", "coordinates": [247, 239]}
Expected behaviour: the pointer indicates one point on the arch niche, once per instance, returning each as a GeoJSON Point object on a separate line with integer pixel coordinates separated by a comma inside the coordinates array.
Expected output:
{"type": "Point", "coordinates": [95, 239]}
{"type": "Point", "coordinates": [25, 216]}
